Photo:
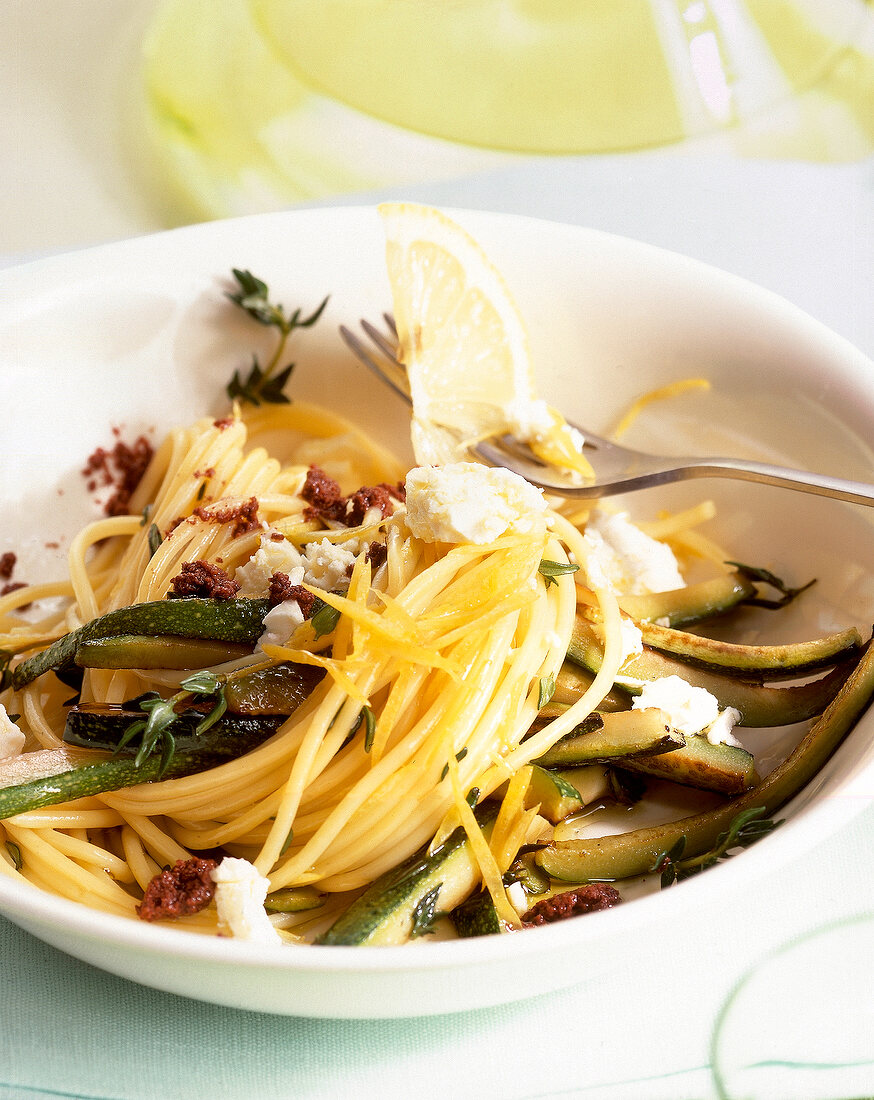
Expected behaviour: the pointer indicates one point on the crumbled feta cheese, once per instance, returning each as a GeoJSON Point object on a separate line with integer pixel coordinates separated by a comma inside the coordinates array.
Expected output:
{"type": "Point", "coordinates": [271, 557]}
{"type": "Point", "coordinates": [239, 897]}
{"type": "Point", "coordinates": [632, 639]}
{"type": "Point", "coordinates": [518, 898]}
{"type": "Point", "coordinates": [11, 737]}
{"type": "Point", "coordinates": [690, 710]}
{"type": "Point", "coordinates": [467, 502]}
{"type": "Point", "coordinates": [326, 564]}
{"type": "Point", "coordinates": [280, 623]}
{"type": "Point", "coordinates": [630, 561]}
{"type": "Point", "coordinates": [321, 564]}
{"type": "Point", "coordinates": [719, 731]}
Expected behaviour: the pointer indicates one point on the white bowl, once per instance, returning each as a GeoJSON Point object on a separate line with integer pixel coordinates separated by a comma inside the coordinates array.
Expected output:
{"type": "Point", "coordinates": [139, 335]}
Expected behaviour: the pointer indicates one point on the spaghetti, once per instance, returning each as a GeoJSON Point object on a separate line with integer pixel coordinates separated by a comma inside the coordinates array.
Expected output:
{"type": "Point", "coordinates": [446, 646]}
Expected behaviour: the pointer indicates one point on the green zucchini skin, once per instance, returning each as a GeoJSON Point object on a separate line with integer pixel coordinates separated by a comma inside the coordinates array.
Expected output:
{"type": "Point", "coordinates": [383, 914]}
{"type": "Point", "coordinates": [278, 689]}
{"type": "Point", "coordinates": [611, 737]}
{"type": "Point", "coordinates": [102, 727]}
{"type": "Point", "coordinates": [106, 774]}
{"type": "Point", "coordinates": [642, 742]}
{"type": "Point", "coordinates": [692, 604]}
{"type": "Point", "coordinates": [476, 916]}
{"type": "Point", "coordinates": [556, 796]}
{"type": "Point", "coordinates": [769, 662]}
{"type": "Point", "coordinates": [636, 853]}
{"type": "Point", "coordinates": [726, 769]}
{"type": "Point", "coordinates": [294, 899]}
{"type": "Point", "coordinates": [759, 704]}
{"type": "Point", "coordinates": [236, 621]}
{"type": "Point", "coordinates": [164, 651]}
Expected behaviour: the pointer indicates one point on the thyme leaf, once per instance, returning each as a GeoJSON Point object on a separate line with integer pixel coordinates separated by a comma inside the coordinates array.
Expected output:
{"type": "Point", "coordinates": [745, 829]}
{"type": "Point", "coordinates": [552, 569]}
{"type": "Point", "coordinates": [266, 383]}
{"type": "Point", "coordinates": [203, 683]}
{"type": "Point", "coordinates": [154, 538]}
{"type": "Point", "coordinates": [155, 731]}
{"type": "Point", "coordinates": [369, 727]}
{"type": "Point", "coordinates": [547, 690]}
{"type": "Point", "coordinates": [765, 576]}
{"type": "Point", "coordinates": [324, 619]}
{"type": "Point", "coordinates": [14, 851]}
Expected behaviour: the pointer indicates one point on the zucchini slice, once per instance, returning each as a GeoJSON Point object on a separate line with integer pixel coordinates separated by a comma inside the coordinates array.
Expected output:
{"type": "Point", "coordinates": [570, 683]}
{"type": "Point", "coordinates": [769, 662]}
{"type": "Point", "coordinates": [759, 704]}
{"type": "Point", "coordinates": [277, 689]}
{"type": "Point", "coordinates": [102, 726]}
{"type": "Point", "coordinates": [692, 604]}
{"type": "Point", "coordinates": [146, 651]}
{"type": "Point", "coordinates": [385, 913]}
{"type": "Point", "coordinates": [49, 777]}
{"type": "Point", "coordinates": [727, 769]}
{"type": "Point", "coordinates": [236, 621]}
{"type": "Point", "coordinates": [555, 795]}
{"type": "Point", "coordinates": [593, 782]}
{"type": "Point", "coordinates": [613, 737]}
{"type": "Point", "coordinates": [294, 899]}
{"type": "Point", "coordinates": [476, 916]}
{"type": "Point", "coordinates": [639, 852]}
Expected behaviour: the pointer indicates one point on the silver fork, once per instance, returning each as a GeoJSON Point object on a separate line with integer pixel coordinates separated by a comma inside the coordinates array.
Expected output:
{"type": "Point", "coordinates": [617, 469]}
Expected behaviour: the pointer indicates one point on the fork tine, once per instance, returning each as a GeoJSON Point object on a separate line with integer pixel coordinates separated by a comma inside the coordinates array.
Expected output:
{"type": "Point", "coordinates": [385, 345]}
{"type": "Point", "coordinates": [388, 371]}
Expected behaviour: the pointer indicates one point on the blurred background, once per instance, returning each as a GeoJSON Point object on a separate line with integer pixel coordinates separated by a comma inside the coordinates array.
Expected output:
{"type": "Point", "coordinates": [142, 114]}
{"type": "Point", "coordinates": [740, 132]}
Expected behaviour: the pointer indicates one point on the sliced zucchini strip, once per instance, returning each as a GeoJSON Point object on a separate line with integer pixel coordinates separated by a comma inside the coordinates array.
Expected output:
{"type": "Point", "coordinates": [147, 651]}
{"type": "Point", "coordinates": [692, 604]}
{"type": "Point", "coordinates": [759, 704]}
{"type": "Point", "coordinates": [476, 916]}
{"type": "Point", "coordinates": [611, 737]}
{"type": "Point", "coordinates": [102, 726]}
{"type": "Point", "coordinates": [769, 662]}
{"type": "Point", "coordinates": [639, 852]}
{"type": "Point", "coordinates": [385, 912]}
{"type": "Point", "coordinates": [63, 777]}
{"type": "Point", "coordinates": [235, 621]}
{"type": "Point", "coordinates": [727, 769]}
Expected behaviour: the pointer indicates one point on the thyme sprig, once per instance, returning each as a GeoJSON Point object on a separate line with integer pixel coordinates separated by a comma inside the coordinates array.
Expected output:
{"type": "Point", "coordinates": [266, 384]}
{"type": "Point", "coordinates": [745, 829]}
{"type": "Point", "coordinates": [155, 730]}
{"type": "Point", "coordinates": [765, 576]}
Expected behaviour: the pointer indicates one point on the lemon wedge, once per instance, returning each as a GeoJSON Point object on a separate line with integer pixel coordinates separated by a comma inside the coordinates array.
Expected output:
{"type": "Point", "coordinates": [464, 345]}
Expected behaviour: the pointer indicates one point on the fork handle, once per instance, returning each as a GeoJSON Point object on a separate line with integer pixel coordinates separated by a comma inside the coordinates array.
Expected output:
{"type": "Point", "coordinates": [857, 492]}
